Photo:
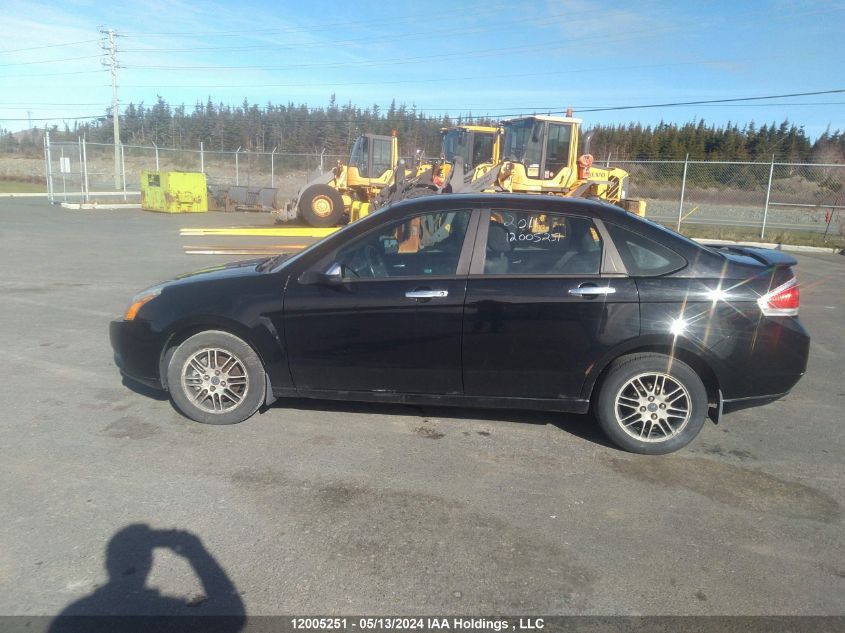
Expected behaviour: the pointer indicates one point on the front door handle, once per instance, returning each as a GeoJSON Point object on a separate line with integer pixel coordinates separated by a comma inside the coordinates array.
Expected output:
{"type": "Point", "coordinates": [592, 291]}
{"type": "Point", "coordinates": [427, 294]}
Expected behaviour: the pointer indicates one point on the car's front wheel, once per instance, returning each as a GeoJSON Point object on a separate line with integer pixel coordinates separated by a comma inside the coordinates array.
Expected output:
{"type": "Point", "coordinates": [216, 378]}
{"type": "Point", "coordinates": [651, 404]}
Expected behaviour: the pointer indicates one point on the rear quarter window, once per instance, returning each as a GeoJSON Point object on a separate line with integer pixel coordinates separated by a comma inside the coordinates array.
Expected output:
{"type": "Point", "coordinates": [642, 256]}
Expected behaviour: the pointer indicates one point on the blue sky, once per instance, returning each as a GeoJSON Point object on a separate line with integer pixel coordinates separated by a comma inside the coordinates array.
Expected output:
{"type": "Point", "coordinates": [492, 57]}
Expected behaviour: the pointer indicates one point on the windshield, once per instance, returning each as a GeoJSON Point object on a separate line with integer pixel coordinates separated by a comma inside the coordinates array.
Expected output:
{"type": "Point", "coordinates": [359, 157]}
{"type": "Point", "coordinates": [454, 144]}
{"type": "Point", "coordinates": [524, 144]}
{"type": "Point", "coordinates": [482, 151]}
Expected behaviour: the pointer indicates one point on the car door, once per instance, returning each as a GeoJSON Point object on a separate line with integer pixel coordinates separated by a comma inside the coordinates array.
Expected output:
{"type": "Point", "coordinates": [545, 300]}
{"type": "Point", "coordinates": [394, 324]}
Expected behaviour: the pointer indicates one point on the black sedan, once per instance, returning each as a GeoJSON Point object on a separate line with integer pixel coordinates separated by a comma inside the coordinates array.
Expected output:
{"type": "Point", "coordinates": [483, 300]}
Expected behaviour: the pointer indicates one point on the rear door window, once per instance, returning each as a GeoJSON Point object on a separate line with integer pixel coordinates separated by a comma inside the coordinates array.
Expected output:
{"type": "Point", "coordinates": [539, 243]}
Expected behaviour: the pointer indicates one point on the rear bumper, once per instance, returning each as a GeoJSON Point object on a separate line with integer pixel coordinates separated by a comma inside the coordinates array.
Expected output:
{"type": "Point", "coordinates": [737, 404]}
{"type": "Point", "coordinates": [137, 351]}
{"type": "Point", "coordinates": [764, 363]}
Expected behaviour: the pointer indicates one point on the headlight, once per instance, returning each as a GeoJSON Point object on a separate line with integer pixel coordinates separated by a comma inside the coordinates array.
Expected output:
{"type": "Point", "coordinates": [139, 300]}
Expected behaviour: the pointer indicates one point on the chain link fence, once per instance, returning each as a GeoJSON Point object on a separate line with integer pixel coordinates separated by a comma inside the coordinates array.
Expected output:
{"type": "Point", "coordinates": [83, 170]}
{"type": "Point", "coordinates": [770, 197]}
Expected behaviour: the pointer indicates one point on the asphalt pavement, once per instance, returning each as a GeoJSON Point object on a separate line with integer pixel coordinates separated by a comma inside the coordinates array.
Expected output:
{"type": "Point", "coordinates": [315, 507]}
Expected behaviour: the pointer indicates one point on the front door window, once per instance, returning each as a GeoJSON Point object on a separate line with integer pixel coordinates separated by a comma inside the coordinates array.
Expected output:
{"type": "Point", "coordinates": [421, 246]}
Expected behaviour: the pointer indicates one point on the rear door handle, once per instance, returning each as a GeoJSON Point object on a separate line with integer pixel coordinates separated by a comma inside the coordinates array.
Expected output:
{"type": "Point", "coordinates": [592, 291]}
{"type": "Point", "coordinates": [427, 294]}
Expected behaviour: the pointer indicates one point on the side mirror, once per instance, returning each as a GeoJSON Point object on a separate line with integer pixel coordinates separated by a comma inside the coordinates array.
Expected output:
{"type": "Point", "coordinates": [332, 277]}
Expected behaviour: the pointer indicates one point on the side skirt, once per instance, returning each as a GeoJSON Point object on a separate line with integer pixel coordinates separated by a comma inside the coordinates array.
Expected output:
{"type": "Point", "coordinates": [567, 405]}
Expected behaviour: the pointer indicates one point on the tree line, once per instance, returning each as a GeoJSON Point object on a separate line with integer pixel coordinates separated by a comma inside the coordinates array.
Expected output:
{"type": "Point", "coordinates": [299, 128]}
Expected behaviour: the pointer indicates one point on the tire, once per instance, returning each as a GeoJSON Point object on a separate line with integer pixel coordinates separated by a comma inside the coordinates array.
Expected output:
{"type": "Point", "coordinates": [234, 361]}
{"type": "Point", "coordinates": [321, 206]}
{"type": "Point", "coordinates": [419, 192]}
{"type": "Point", "coordinates": [651, 427]}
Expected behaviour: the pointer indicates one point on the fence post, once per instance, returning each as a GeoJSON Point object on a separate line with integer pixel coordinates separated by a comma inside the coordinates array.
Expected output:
{"type": "Point", "coordinates": [237, 168]}
{"type": "Point", "coordinates": [607, 164]}
{"type": "Point", "coordinates": [81, 165]}
{"type": "Point", "coordinates": [123, 170]}
{"type": "Point", "coordinates": [321, 160]}
{"type": "Point", "coordinates": [64, 176]}
{"type": "Point", "coordinates": [48, 160]}
{"type": "Point", "coordinates": [202, 158]}
{"type": "Point", "coordinates": [273, 167]}
{"type": "Point", "coordinates": [156, 150]}
{"type": "Point", "coordinates": [683, 191]}
{"type": "Point", "coordinates": [768, 194]}
{"type": "Point", "coordinates": [85, 169]}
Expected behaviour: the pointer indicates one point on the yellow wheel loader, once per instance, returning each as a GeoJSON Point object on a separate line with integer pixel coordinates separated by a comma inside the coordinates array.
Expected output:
{"type": "Point", "coordinates": [467, 152]}
{"type": "Point", "coordinates": [478, 146]}
{"type": "Point", "coordinates": [369, 180]}
{"type": "Point", "coordinates": [347, 190]}
{"type": "Point", "coordinates": [532, 154]}
{"type": "Point", "coordinates": [540, 155]}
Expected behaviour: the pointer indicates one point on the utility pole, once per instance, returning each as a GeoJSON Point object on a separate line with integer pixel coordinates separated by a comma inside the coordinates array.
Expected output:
{"type": "Point", "coordinates": [110, 48]}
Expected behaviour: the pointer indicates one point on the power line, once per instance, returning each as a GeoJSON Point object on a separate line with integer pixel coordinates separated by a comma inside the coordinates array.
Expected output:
{"type": "Point", "coordinates": [445, 111]}
{"type": "Point", "coordinates": [72, 72]}
{"type": "Point", "coordinates": [35, 48]}
{"type": "Point", "coordinates": [713, 101]}
{"type": "Point", "coordinates": [543, 110]}
{"type": "Point", "coordinates": [58, 118]}
{"type": "Point", "coordinates": [438, 79]}
{"type": "Point", "coordinates": [30, 104]}
{"type": "Point", "coordinates": [51, 61]}
{"type": "Point", "coordinates": [465, 108]}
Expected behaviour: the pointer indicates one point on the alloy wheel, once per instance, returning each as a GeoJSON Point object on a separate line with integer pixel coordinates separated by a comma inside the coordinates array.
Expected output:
{"type": "Point", "coordinates": [215, 380]}
{"type": "Point", "coordinates": [653, 407]}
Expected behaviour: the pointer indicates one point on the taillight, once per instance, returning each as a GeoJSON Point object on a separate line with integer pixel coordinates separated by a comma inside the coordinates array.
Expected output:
{"type": "Point", "coordinates": [782, 301]}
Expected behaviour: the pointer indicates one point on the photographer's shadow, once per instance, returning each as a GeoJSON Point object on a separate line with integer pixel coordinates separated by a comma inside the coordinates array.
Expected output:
{"type": "Point", "coordinates": [129, 559]}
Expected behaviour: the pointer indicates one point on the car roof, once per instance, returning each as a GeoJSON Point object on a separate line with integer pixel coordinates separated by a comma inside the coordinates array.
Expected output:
{"type": "Point", "coordinates": [535, 202]}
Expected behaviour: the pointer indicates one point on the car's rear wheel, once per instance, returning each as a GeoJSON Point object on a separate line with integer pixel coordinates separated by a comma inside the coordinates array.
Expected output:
{"type": "Point", "coordinates": [651, 404]}
{"type": "Point", "coordinates": [216, 378]}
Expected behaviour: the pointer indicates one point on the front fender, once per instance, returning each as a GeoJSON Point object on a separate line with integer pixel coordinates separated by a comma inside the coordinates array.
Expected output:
{"type": "Point", "coordinates": [261, 336]}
